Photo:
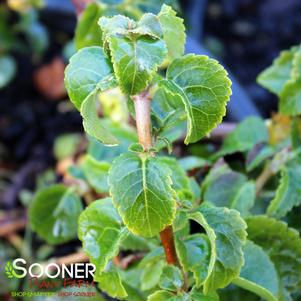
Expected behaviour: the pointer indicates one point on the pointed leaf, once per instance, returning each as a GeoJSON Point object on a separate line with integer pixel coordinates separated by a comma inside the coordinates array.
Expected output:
{"type": "Point", "coordinates": [173, 31]}
{"type": "Point", "coordinates": [258, 273]}
{"type": "Point", "coordinates": [290, 98]}
{"type": "Point", "coordinates": [288, 193]}
{"type": "Point", "coordinates": [135, 61]}
{"type": "Point", "coordinates": [274, 77]}
{"type": "Point", "coordinates": [87, 32]}
{"type": "Point", "coordinates": [54, 212]}
{"type": "Point", "coordinates": [226, 232]}
{"type": "Point", "coordinates": [142, 193]}
{"type": "Point", "coordinates": [101, 231]}
{"type": "Point", "coordinates": [282, 244]}
{"type": "Point", "coordinates": [204, 88]}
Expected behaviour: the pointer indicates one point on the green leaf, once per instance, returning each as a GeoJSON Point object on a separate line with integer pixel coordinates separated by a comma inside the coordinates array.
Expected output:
{"type": "Point", "coordinates": [135, 61]}
{"type": "Point", "coordinates": [96, 173]}
{"type": "Point", "coordinates": [288, 193]}
{"type": "Point", "coordinates": [167, 296]}
{"type": "Point", "coordinates": [54, 212]}
{"type": "Point", "coordinates": [282, 244]}
{"type": "Point", "coordinates": [125, 134]}
{"type": "Point", "coordinates": [151, 275]}
{"type": "Point", "coordinates": [180, 180]}
{"type": "Point", "coordinates": [66, 145]}
{"type": "Point", "coordinates": [258, 155]}
{"type": "Point", "coordinates": [142, 193]}
{"type": "Point", "coordinates": [110, 282]}
{"type": "Point", "coordinates": [173, 31]}
{"type": "Point", "coordinates": [152, 266]}
{"type": "Point", "coordinates": [258, 274]}
{"type": "Point", "coordinates": [7, 70]}
{"type": "Point", "coordinates": [168, 109]}
{"type": "Point", "coordinates": [275, 76]}
{"type": "Point", "coordinates": [161, 296]}
{"type": "Point", "coordinates": [101, 232]}
{"type": "Point", "coordinates": [194, 253]}
{"type": "Point", "coordinates": [248, 133]}
{"type": "Point", "coordinates": [87, 32]}
{"type": "Point", "coordinates": [204, 88]}
{"type": "Point", "coordinates": [137, 243]}
{"type": "Point", "coordinates": [171, 278]}
{"type": "Point", "coordinates": [92, 124]}
{"type": "Point", "coordinates": [290, 98]}
{"type": "Point", "coordinates": [226, 188]}
{"type": "Point", "coordinates": [196, 295]}
{"type": "Point", "coordinates": [192, 162]}
{"type": "Point", "coordinates": [89, 70]}
{"type": "Point", "coordinates": [226, 232]}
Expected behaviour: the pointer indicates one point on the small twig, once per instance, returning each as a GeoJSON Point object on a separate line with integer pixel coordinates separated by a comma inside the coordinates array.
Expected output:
{"type": "Point", "coordinates": [125, 262]}
{"type": "Point", "coordinates": [71, 258]}
{"type": "Point", "coordinates": [263, 178]}
{"type": "Point", "coordinates": [12, 226]}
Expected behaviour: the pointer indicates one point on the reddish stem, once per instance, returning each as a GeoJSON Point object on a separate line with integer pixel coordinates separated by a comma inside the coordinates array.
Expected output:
{"type": "Point", "coordinates": [168, 243]}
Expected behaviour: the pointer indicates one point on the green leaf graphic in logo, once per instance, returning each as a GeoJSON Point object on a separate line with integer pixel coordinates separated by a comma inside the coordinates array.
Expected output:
{"type": "Point", "coordinates": [9, 271]}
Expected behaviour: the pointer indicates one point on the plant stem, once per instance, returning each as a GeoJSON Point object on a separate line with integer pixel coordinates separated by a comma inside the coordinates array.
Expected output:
{"type": "Point", "coordinates": [143, 122]}
{"type": "Point", "coordinates": [168, 243]}
{"type": "Point", "coordinates": [263, 178]}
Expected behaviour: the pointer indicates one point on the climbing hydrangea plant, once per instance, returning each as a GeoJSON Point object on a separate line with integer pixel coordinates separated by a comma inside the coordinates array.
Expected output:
{"type": "Point", "coordinates": [150, 200]}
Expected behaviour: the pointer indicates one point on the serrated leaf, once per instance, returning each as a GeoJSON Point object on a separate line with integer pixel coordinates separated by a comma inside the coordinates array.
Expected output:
{"type": "Point", "coordinates": [274, 77]}
{"type": "Point", "coordinates": [54, 212]}
{"type": "Point", "coordinates": [148, 25]}
{"type": "Point", "coordinates": [226, 232]}
{"type": "Point", "coordinates": [171, 278]}
{"type": "Point", "coordinates": [248, 133]}
{"type": "Point", "coordinates": [142, 193]}
{"type": "Point", "coordinates": [88, 70]}
{"type": "Point", "coordinates": [7, 70]}
{"type": "Point", "coordinates": [258, 274]}
{"type": "Point", "coordinates": [288, 193]}
{"type": "Point", "coordinates": [110, 282]}
{"type": "Point", "coordinates": [173, 31]}
{"type": "Point", "coordinates": [282, 244]}
{"type": "Point", "coordinates": [290, 97]}
{"type": "Point", "coordinates": [180, 180]}
{"type": "Point", "coordinates": [87, 32]}
{"type": "Point", "coordinates": [96, 173]}
{"type": "Point", "coordinates": [204, 88]}
{"type": "Point", "coordinates": [101, 232]}
{"type": "Point", "coordinates": [135, 61]}
{"type": "Point", "coordinates": [224, 187]}
{"type": "Point", "coordinates": [194, 255]}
